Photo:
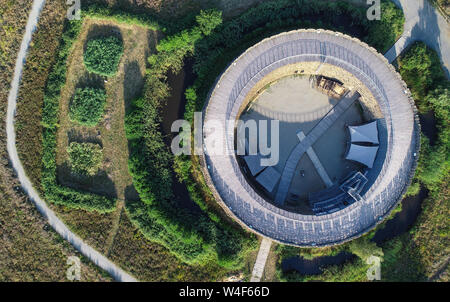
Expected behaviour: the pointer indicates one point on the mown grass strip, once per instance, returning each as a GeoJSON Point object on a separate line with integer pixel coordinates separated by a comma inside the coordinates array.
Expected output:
{"type": "Point", "coordinates": [50, 115]}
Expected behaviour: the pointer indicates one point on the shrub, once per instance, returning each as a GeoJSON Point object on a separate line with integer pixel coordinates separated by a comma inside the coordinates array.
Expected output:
{"type": "Point", "coordinates": [87, 106]}
{"type": "Point", "coordinates": [103, 54]}
{"type": "Point", "coordinates": [192, 237]}
{"type": "Point", "coordinates": [50, 116]}
{"type": "Point", "coordinates": [421, 70]}
{"type": "Point", "coordinates": [85, 158]}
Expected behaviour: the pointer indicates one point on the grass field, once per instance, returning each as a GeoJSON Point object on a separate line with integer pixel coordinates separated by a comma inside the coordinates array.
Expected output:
{"type": "Point", "coordinates": [29, 249]}
{"type": "Point", "coordinates": [113, 233]}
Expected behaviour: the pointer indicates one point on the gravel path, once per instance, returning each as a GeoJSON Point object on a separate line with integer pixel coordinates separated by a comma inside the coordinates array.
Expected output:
{"type": "Point", "coordinates": [96, 257]}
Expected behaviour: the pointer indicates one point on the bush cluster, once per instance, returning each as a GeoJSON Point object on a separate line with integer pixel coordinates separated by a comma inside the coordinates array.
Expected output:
{"type": "Point", "coordinates": [421, 69]}
{"type": "Point", "coordinates": [85, 158]}
{"type": "Point", "coordinates": [87, 106]}
{"type": "Point", "coordinates": [50, 116]}
{"type": "Point", "coordinates": [192, 237]}
{"type": "Point", "coordinates": [102, 55]}
{"type": "Point", "coordinates": [213, 53]}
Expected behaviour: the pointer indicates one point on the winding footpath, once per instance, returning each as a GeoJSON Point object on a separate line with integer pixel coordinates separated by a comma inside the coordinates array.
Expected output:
{"type": "Point", "coordinates": [422, 23]}
{"type": "Point", "coordinates": [96, 257]}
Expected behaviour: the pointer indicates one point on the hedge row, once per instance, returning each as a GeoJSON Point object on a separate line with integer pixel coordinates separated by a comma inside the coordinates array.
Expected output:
{"type": "Point", "coordinates": [421, 69]}
{"type": "Point", "coordinates": [56, 80]}
{"type": "Point", "coordinates": [213, 53]}
{"type": "Point", "coordinates": [192, 237]}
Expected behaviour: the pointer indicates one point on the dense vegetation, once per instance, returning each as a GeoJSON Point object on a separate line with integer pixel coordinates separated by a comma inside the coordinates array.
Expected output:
{"type": "Point", "coordinates": [422, 253]}
{"type": "Point", "coordinates": [102, 55]}
{"type": "Point", "coordinates": [163, 219]}
{"type": "Point", "coordinates": [87, 106]}
{"type": "Point", "coordinates": [443, 5]}
{"type": "Point", "coordinates": [53, 191]}
{"type": "Point", "coordinates": [213, 53]}
{"type": "Point", "coordinates": [192, 237]}
{"type": "Point", "coordinates": [421, 69]}
{"type": "Point", "coordinates": [29, 249]}
{"type": "Point", "coordinates": [85, 158]}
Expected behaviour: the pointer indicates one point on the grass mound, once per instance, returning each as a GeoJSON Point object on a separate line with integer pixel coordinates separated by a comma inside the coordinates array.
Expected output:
{"type": "Point", "coordinates": [85, 158]}
{"type": "Point", "coordinates": [102, 55]}
{"type": "Point", "coordinates": [87, 106]}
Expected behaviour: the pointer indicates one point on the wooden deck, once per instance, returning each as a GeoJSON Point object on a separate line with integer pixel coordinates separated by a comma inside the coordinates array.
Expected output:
{"type": "Point", "coordinates": [392, 172]}
{"type": "Point", "coordinates": [322, 126]}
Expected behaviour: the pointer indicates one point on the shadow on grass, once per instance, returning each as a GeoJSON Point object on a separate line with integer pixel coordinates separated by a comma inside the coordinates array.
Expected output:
{"type": "Point", "coordinates": [100, 183]}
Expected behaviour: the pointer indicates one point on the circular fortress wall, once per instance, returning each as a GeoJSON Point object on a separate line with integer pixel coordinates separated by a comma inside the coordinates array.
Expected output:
{"type": "Point", "coordinates": [361, 69]}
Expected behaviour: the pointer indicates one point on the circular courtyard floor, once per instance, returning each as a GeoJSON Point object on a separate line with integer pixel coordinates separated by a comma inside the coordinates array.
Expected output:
{"type": "Point", "coordinates": [299, 107]}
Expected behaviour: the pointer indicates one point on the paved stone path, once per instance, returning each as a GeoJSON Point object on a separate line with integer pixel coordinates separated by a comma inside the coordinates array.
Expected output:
{"type": "Point", "coordinates": [260, 263]}
{"type": "Point", "coordinates": [323, 125]}
{"type": "Point", "coordinates": [423, 22]}
{"type": "Point", "coordinates": [316, 162]}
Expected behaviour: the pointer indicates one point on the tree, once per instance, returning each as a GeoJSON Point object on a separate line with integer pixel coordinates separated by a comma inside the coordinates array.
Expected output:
{"type": "Point", "coordinates": [208, 20]}
{"type": "Point", "coordinates": [364, 248]}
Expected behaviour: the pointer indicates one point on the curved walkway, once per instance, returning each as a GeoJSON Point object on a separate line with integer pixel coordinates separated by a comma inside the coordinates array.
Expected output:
{"type": "Point", "coordinates": [96, 257]}
{"type": "Point", "coordinates": [423, 22]}
{"type": "Point", "coordinates": [322, 126]}
{"type": "Point", "coordinates": [292, 117]}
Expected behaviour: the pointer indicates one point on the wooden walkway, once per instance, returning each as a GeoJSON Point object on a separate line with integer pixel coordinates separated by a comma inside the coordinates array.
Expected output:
{"type": "Point", "coordinates": [400, 137]}
{"type": "Point", "coordinates": [322, 126]}
{"type": "Point", "coordinates": [423, 22]}
{"type": "Point", "coordinates": [316, 162]}
{"type": "Point", "coordinates": [261, 259]}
